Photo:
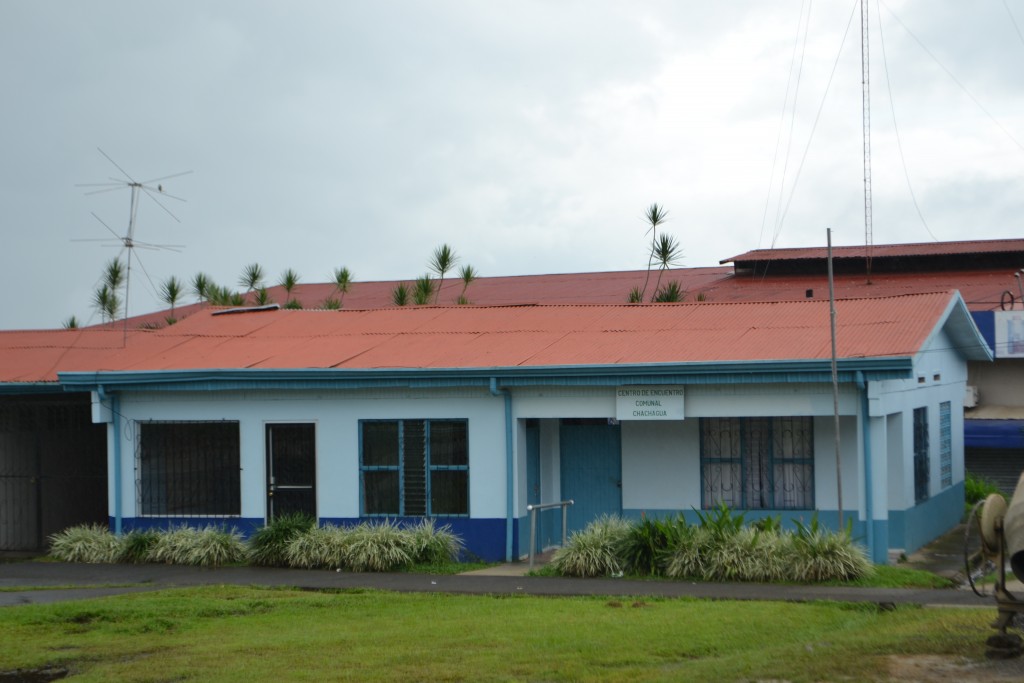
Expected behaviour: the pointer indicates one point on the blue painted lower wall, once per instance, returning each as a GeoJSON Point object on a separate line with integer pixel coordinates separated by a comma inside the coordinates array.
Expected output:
{"type": "Point", "coordinates": [484, 538]}
{"type": "Point", "coordinates": [912, 528]}
{"type": "Point", "coordinates": [246, 526]}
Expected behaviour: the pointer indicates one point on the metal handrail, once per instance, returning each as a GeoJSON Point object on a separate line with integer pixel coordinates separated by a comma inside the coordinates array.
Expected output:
{"type": "Point", "coordinates": [532, 509]}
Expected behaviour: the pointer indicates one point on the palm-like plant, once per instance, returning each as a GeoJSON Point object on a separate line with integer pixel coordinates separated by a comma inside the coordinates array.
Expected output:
{"type": "Point", "coordinates": [252, 277]}
{"type": "Point", "coordinates": [342, 281]}
{"type": "Point", "coordinates": [400, 294]}
{"type": "Point", "coordinates": [113, 306]}
{"type": "Point", "coordinates": [261, 297]}
{"type": "Point", "coordinates": [113, 274]}
{"type": "Point", "coordinates": [289, 279]}
{"type": "Point", "coordinates": [222, 296]}
{"type": "Point", "coordinates": [468, 274]}
{"type": "Point", "coordinates": [101, 301]}
{"type": "Point", "coordinates": [635, 296]}
{"type": "Point", "coordinates": [443, 260]}
{"type": "Point", "coordinates": [655, 216]}
{"type": "Point", "coordinates": [423, 290]}
{"type": "Point", "coordinates": [70, 324]}
{"type": "Point", "coordinates": [201, 286]}
{"type": "Point", "coordinates": [170, 292]}
{"type": "Point", "coordinates": [666, 254]}
{"type": "Point", "coordinates": [331, 303]}
{"type": "Point", "coordinates": [670, 293]}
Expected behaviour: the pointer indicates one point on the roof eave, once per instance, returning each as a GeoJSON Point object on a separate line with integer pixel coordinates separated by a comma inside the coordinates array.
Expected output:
{"type": "Point", "coordinates": [725, 372]}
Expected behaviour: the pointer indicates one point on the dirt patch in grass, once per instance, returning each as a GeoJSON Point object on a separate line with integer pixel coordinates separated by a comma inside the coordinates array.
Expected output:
{"type": "Point", "coordinates": [951, 669]}
{"type": "Point", "coordinates": [42, 675]}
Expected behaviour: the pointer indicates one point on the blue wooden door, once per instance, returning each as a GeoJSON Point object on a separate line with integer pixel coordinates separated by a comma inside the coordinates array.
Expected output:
{"type": "Point", "coordinates": [591, 470]}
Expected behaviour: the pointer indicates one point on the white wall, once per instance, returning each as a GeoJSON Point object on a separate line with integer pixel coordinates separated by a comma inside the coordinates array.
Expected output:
{"type": "Point", "coordinates": [336, 416]}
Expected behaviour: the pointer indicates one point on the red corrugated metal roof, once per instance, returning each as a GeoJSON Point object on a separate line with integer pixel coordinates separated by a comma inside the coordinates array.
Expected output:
{"type": "Point", "coordinates": [981, 288]}
{"type": "Point", "coordinates": [484, 337]}
{"type": "Point", "coordinates": [884, 250]}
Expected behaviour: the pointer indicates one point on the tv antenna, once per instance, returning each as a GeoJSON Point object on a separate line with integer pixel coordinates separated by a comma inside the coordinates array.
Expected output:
{"type": "Point", "coordinates": [127, 242]}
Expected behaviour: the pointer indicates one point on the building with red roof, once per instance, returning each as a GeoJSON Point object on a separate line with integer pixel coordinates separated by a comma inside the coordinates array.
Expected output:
{"type": "Point", "coordinates": [467, 414]}
{"type": "Point", "coordinates": [548, 388]}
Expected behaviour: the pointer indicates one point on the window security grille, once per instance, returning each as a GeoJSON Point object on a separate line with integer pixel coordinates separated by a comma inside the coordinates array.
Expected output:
{"type": "Point", "coordinates": [922, 465]}
{"type": "Point", "coordinates": [764, 463]}
{"type": "Point", "coordinates": [188, 469]}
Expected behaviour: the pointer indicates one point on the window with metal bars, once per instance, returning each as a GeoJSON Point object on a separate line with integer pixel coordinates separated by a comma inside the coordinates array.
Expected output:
{"type": "Point", "coordinates": [188, 469]}
{"type": "Point", "coordinates": [922, 465]}
{"type": "Point", "coordinates": [760, 463]}
{"type": "Point", "coordinates": [946, 444]}
{"type": "Point", "coordinates": [414, 468]}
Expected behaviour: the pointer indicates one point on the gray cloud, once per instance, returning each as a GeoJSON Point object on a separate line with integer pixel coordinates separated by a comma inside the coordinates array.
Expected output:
{"type": "Point", "coordinates": [529, 135]}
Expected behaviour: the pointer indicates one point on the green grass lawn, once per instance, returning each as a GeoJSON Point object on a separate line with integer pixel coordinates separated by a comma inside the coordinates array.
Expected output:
{"type": "Point", "coordinates": [228, 633]}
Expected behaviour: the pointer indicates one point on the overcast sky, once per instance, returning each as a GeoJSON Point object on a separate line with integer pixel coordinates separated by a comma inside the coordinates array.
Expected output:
{"type": "Point", "coordinates": [528, 135]}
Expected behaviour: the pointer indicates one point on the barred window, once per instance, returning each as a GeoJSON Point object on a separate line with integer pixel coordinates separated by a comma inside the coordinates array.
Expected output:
{"type": "Point", "coordinates": [414, 468]}
{"type": "Point", "coordinates": [762, 463]}
{"type": "Point", "coordinates": [922, 465]}
{"type": "Point", "coordinates": [189, 469]}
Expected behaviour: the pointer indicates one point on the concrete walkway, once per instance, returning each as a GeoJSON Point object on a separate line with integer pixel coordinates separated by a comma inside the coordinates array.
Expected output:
{"type": "Point", "coordinates": [57, 581]}
{"type": "Point", "coordinates": [81, 581]}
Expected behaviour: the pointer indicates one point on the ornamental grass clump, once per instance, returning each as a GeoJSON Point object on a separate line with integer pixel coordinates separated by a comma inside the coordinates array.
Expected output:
{"type": "Point", "coordinates": [137, 545]}
{"type": "Point", "coordinates": [816, 554]}
{"type": "Point", "coordinates": [267, 546]}
{"type": "Point", "coordinates": [648, 544]}
{"type": "Point", "coordinates": [92, 543]}
{"type": "Point", "coordinates": [593, 551]}
{"type": "Point", "coordinates": [429, 544]}
{"type": "Point", "coordinates": [691, 555]}
{"type": "Point", "coordinates": [214, 546]}
{"type": "Point", "coordinates": [317, 548]}
{"type": "Point", "coordinates": [210, 546]}
{"type": "Point", "coordinates": [747, 555]}
{"type": "Point", "coordinates": [377, 547]}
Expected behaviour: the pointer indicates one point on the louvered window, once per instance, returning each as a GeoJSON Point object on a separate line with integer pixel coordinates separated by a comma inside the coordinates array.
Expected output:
{"type": "Point", "coordinates": [761, 463]}
{"type": "Point", "coordinates": [945, 444]}
{"type": "Point", "coordinates": [414, 468]}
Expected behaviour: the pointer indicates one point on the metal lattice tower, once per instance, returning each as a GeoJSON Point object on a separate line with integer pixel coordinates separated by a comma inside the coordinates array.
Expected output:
{"type": "Point", "coordinates": [865, 69]}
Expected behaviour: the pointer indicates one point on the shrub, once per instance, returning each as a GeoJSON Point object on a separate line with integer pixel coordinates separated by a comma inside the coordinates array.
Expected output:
{"type": "Point", "coordinates": [977, 489]}
{"type": "Point", "coordinates": [690, 555]}
{"type": "Point", "coordinates": [430, 545]}
{"type": "Point", "coordinates": [592, 551]}
{"type": "Point", "coordinates": [377, 547]}
{"type": "Point", "coordinates": [317, 548]}
{"type": "Point", "coordinates": [649, 542]}
{"type": "Point", "coordinates": [747, 555]}
{"type": "Point", "coordinates": [720, 521]}
{"type": "Point", "coordinates": [267, 546]}
{"type": "Point", "coordinates": [817, 554]}
{"type": "Point", "coordinates": [91, 543]}
{"type": "Point", "coordinates": [136, 546]}
{"type": "Point", "coordinates": [210, 546]}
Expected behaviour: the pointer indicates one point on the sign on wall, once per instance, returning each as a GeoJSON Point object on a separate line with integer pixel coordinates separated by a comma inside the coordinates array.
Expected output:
{"type": "Point", "coordinates": [1009, 334]}
{"type": "Point", "coordinates": [649, 403]}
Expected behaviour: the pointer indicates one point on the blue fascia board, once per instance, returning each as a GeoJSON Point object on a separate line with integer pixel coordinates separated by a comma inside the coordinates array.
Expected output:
{"type": "Point", "coordinates": [31, 388]}
{"type": "Point", "coordinates": [721, 372]}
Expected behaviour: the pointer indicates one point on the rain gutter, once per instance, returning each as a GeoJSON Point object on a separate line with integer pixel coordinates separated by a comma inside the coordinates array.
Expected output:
{"type": "Point", "coordinates": [869, 494]}
{"type": "Point", "coordinates": [719, 372]}
{"type": "Point", "coordinates": [509, 469]}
